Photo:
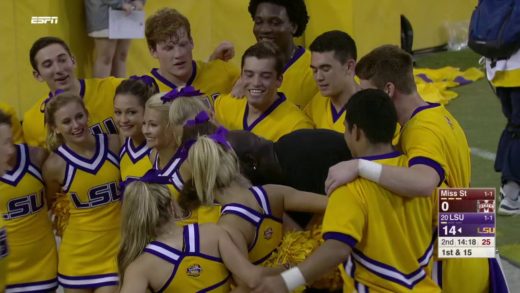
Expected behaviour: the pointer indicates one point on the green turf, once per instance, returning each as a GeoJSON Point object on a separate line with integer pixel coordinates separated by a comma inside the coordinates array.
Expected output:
{"type": "Point", "coordinates": [478, 111]}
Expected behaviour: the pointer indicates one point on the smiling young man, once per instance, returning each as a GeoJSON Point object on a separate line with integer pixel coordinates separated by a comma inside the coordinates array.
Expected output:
{"type": "Point", "coordinates": [53, 63]}
{"type": "Point", "coordinates": [265, 111]}
{"type": "Point", "coordinates": [280, 21]}
{"type": "Point", "coordinates": [333, 62]}
{"type": "Point", "coordinates": [168, 35]}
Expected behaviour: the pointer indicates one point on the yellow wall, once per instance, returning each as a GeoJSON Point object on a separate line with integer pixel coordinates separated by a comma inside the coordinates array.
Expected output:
{"type": "Point", "coordinates": [429, 20]}
{"type": "Point", "coordinates": [370, 22]}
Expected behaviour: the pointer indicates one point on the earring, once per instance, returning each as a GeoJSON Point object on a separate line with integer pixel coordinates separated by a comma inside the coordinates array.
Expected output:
{"type": "Point", "coordinates": [254, 167]}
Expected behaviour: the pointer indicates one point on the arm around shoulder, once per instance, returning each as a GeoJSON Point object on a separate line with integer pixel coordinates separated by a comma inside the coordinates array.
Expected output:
{"type": "Point", "coordinates": [414, 181]}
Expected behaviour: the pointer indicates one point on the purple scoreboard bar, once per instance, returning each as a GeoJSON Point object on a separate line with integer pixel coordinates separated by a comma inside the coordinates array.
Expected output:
{"type": "Point", "coordinates": [466, 223]}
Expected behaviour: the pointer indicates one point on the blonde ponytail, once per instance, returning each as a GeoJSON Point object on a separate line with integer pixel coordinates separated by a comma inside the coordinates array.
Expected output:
{"type": "Point", "coordinates": [213, 167]}
{"type": "Point", "coordinates": [146, 208]}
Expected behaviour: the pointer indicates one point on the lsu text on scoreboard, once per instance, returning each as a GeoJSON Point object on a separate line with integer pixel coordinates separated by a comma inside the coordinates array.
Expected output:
{"type": "Point", "coordinates": [466, 223]}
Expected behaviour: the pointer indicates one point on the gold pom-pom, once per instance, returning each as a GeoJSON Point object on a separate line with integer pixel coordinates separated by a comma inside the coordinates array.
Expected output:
{"type": "Point", "coordinates": [61, 211]}
{"type": "Point", "coordinates": [296, 246]}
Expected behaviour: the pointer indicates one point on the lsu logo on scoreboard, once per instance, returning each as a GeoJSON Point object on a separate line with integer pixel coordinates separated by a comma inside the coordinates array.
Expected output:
{"type": "Point", "coordinates": [486, 230]}
{"type": "Point", "coordinates": [486, 206]}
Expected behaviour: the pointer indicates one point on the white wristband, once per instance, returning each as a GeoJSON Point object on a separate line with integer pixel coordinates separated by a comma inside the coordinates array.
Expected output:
{"type": "Point", "coordinates": [370, 170]}
{"type": "Point", "coordinates": [293, 278]}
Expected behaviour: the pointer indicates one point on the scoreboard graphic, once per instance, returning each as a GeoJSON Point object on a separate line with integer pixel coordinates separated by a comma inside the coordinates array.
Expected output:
{"type": "Point", "coordinates": [466, 223]}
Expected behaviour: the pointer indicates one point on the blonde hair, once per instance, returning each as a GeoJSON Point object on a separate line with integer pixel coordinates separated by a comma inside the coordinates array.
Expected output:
{"type": "Point", "coordinates": [213, 167]}
{"type": "Point", "coordinates": [53, 139]}
{"type": "Point", "coordinates": [146, 208]}
{"type": "Point", "coordinates": [182, 109]}
{"type": "Point", "coordinates": [155, 103]}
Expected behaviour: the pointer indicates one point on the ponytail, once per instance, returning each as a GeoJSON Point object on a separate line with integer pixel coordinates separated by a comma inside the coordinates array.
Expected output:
{"type": "Point", "coordinates": [146, 208]}
{"type": "Point", "coordinates": [213, 167]}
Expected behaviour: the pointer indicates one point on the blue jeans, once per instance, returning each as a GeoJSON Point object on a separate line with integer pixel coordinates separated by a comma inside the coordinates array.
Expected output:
{"type": "Point", "coordinates": [508, 152]}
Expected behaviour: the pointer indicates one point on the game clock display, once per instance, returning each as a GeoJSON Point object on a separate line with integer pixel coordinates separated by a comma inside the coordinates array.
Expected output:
{"type": "Point", "coordinates": [466, 223]}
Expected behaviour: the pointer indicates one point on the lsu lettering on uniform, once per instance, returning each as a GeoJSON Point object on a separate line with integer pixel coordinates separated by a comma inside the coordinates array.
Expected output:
{"type": "Point", "coordinates": [324, 115]}
{"type": "Point", "coordinates": [33, 261]}
{"type": "Point", "coordinates": [434, 138]}
{"type": "Point", "coordinates": [298, 83]}
{"type": "Point", "coordinates": [3, 254]}
{"type": "Point", "coordinates": [281, 118]}
{"type": "Point", "coordinates": [98, 96]}
{"type": "Point", "coordinates": [90, 242]}
{"type": "Point", "coordinates": [134, 160]}
{"type": "Point", "coordinates": [203, 214]}
{"type": "Point", "coordinates": [269, 230]}
{"type": "Point", "coordinates": [192, 270]}
{"type": "Point", "coordinates": [211, 78]}
{"type": "Point", "coordinates": [16, 126]}
{"type": "Point", "coordinates": [390, 252]}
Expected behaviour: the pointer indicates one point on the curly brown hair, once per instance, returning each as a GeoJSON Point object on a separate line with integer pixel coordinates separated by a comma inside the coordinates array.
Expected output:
{"type": "Point", "coordinates": [164, 24]}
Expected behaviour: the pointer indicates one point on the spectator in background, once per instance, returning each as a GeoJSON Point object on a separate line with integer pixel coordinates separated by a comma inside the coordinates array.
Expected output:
{"type": "Point", "coordinates": [504, 75]}
{"type": "Point", "coordinates": [110, 54]}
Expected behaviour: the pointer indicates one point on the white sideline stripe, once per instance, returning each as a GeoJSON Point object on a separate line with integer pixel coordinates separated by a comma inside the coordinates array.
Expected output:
{"type": "Point", "coordinates": [483, 154]}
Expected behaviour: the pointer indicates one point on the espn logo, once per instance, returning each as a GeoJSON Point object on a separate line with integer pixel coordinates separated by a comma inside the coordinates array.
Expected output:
{"type": "Point", "coordinates": [44, 19]}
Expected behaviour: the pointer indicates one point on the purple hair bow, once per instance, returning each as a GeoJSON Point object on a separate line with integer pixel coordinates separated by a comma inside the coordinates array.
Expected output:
{"type": "Point", "coordinates": [150, 81]}
{"type": "Point", "coordinates": [187, 91]}
{"type": "Point", "coordinates": [51, 95]}
{"type": "Point", "coordinates": [151, 176]}
{"type": "Point", "coordinates": [201, 118]}
{"type": "Point", "coordinates": [220, 137]}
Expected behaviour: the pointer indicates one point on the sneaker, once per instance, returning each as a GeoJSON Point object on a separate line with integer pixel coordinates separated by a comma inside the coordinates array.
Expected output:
{"type": "Point", "coordinates": [509, 207]}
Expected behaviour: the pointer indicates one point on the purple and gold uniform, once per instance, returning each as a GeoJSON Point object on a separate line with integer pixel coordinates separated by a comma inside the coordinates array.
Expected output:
{"type": "Point", "coordinates": [90, 242]}
{"type": "Point", "coordinates": [434, 138]}
{"type": "Point", "coordinates": [364, 215]}
{"type": "Point", "coordinates": [211, 78]}
{"type": "Point", "coordinates": [269, 230]}
{"type": "Point", "coordinates": [281, 118]}
{"type": "Point", "coordinates": [324, 115]}
{"type": "Point", "coordinates": [33, 260]}
{"type": "Point", "coordinates": [298, 83]}
{"type": "Point", "coordinates": [134, 160]}
{"type": "Point", "coordinates": [3, 255]}
{"type": "Point", "coordinates": [192, 270]}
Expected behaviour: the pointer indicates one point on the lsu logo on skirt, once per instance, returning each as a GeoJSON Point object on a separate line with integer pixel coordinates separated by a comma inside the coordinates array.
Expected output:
{"type": "Point", "coordinates": [194, 270]}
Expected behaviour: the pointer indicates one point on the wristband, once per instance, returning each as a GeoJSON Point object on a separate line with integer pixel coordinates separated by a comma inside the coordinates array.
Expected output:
{"type": "Point", "coordinates": [293, 278]}
{"type": "Point", "coordinates": [370, 170]}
